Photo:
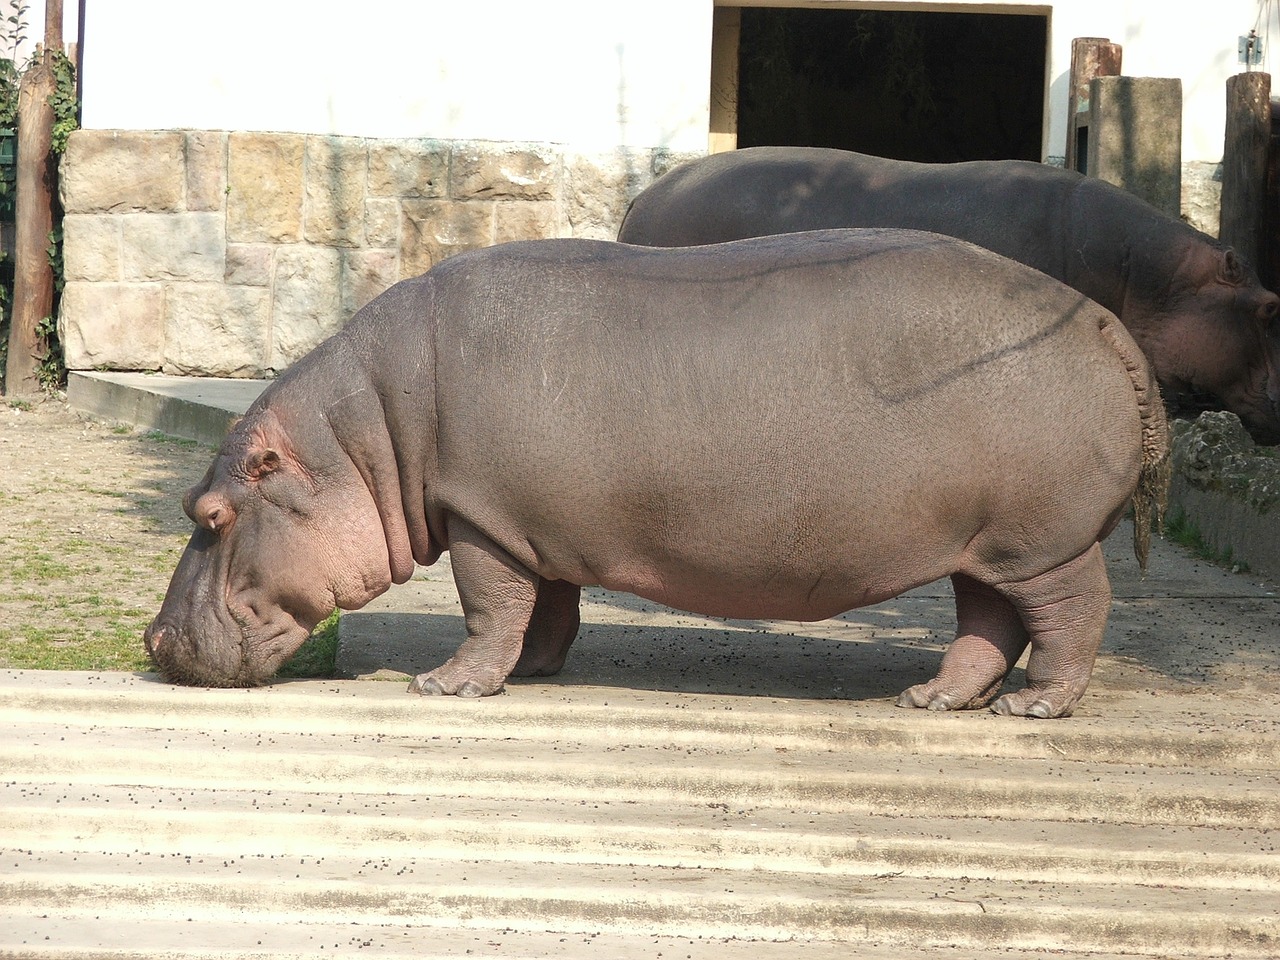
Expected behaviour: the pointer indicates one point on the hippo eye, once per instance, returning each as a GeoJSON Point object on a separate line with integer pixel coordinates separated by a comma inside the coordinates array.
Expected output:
{"type": "Point", "coordinates": [1270, 310]}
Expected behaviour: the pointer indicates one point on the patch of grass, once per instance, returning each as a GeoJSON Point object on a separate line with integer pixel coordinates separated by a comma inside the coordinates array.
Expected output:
{"type": "Point", "coordinates": [157, 437]}
{"type": "Point", "coordinates": [23, 405]}
{"type": "Point", "coordinates": [116, 647]}
{"type": "Point", "coordinates": [1182, 530]}
{"type": "Point", "coordinates": [316, 659]}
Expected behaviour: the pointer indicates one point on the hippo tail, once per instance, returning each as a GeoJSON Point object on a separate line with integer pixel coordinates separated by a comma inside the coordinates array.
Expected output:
{"type": "Point", "coordinates": [1151, 496]}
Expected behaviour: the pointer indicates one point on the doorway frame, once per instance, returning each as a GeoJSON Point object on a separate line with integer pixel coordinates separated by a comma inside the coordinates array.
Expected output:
{"type": "Point", "coordinates": [726, 29]}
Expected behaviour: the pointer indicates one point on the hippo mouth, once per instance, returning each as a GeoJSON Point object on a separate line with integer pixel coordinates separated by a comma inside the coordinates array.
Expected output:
{"type": "Point", "coordinates": [189, 657]}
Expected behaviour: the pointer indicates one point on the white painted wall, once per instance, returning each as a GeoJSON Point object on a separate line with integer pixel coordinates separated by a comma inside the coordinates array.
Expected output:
{"type": "Point", "coordinates": [591, 73]}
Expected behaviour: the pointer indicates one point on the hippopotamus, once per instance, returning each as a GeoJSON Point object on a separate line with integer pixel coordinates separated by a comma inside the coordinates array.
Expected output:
{"type": "Point", "coordinates": [785, 427]}
{"type": "Point", "coordinates": [1195, 308]}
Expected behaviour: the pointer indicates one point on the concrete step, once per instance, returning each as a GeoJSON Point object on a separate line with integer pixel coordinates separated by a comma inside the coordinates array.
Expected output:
{"type": "Point", "coordinates": [195, 408]}
{"type": "Point", "coordinates": [348, 818]}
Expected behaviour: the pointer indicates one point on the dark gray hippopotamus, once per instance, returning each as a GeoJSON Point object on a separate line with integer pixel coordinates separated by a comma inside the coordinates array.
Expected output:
{"type": "Point", "coordinates": [787, 427]}
{"type": "Point", "coordinates": [1196, 310]}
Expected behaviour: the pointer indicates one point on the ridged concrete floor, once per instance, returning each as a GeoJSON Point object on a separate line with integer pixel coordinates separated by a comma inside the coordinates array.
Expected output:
{"type": "Point", "coordinates": [348, 818]}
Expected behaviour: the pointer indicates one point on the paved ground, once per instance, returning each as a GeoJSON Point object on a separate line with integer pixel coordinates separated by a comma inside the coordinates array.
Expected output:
{"type": "Point", "coordinates": [686, 788]}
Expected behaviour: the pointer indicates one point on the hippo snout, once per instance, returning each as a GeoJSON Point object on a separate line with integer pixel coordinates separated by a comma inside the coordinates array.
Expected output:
{"type": "Point", "coordinates": [181, 658]}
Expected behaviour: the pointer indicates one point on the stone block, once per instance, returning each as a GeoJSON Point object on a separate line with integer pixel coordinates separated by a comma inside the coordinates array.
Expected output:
{"type": "Point", "coordinates": [249, 264]}
{"type": "Point", "coordinates": [173, 246]}
{"type": "Point", "coordinates": [365, 274]}
{"type": "Point", "coordinates": [1202, 195]}
{"type": "Point", "coordinates": [433, 230]}
{"type": "Point", "coordinates": [264, 187]}
{"type": "Point", "coordinates": [1135, 137]}
{"type": "Point", "coordinates": [91, 247]}
{"type": "Point", "coordinates": [215, 330]}
{"type": "Point", "coordinates": [482, 172]}
{"type": "Point", "coordinates": [206, 170]}
{"type": "Point", "coordinates": [337, 169]}
{"type": "Point", "coordinates": [408, 168]}
{"type": "Point", "coordinates": [123, 171]}
{"type": "Point", "coordinates": [306, 305]}
{"type": "Point", "coordinates": [525, 220]}
{"type": "Point", "coordinates": [382, 223]}
{"type": "Point", "coordinates": [597, 189]}
{"type": "Point", "coordinates": [116, 326]}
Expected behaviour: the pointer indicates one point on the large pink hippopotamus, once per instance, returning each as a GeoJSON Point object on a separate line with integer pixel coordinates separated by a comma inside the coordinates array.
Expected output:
{"type": "Point", "coordinates": [786, 427]}
{"type": "Point", "coordinates": [1207, 326]}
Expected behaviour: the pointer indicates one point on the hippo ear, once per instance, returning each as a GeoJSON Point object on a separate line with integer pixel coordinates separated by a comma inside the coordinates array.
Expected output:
{"type": "Point", "coordinates": [1231, 270]}
{"type": "Point", "coordinates": [261, 462]}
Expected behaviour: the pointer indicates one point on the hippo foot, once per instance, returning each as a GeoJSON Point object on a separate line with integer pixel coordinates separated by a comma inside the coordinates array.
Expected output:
{"type": "Point", "coordinates": [430, 685]}
{"type": "Point", "coordinates": [934, 695]}
{"type": "Point", "coordinates": [539, 663]}
{"type": "Point", "coordinates": [921, 697]}
{"type": "Point", "coordinates": [1038, 704]}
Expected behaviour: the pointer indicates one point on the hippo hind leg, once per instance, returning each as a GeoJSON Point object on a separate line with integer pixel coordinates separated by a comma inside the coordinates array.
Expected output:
{"type": "Point", "coordinates": [1065, 611]}
{"type": "Point", "coordinates": [1062, 613]}
{"type": "Point", "coordinates": [551, 631]}
{"type": "Point", "coordinates": [989, 640]}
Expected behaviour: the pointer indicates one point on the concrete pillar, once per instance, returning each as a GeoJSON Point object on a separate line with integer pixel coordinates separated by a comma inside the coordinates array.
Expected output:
{"type": "Point", "coordinates": [1135, 137]}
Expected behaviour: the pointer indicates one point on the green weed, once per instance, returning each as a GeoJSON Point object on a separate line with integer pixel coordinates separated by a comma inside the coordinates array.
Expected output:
{"type": "Point", "coordinates": [317, 657]}
{"type": "Point", "coordinates": [1182, 530]}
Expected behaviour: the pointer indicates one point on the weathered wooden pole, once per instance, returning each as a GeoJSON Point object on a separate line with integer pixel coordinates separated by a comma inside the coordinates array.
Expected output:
{"type": "Point", "coordinates": [1244, 162]}
{"type": "Point", "coordinates": [35, 187]}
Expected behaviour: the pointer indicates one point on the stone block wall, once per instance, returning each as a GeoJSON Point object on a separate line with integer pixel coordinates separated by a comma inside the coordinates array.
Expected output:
{"type": "Point", "coordinates": [211, 253]}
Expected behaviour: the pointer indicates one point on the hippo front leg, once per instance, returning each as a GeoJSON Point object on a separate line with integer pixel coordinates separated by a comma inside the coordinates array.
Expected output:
{"type": "Point", "coordinates": [497, 595]}
{"type": "Point", "coordinates": [551, 631]}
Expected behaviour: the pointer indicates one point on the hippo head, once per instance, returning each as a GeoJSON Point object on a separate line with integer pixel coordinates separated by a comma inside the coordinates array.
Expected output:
{"type": "Point", "coordinates": [286, 530]}
{"type": "Point", "coordinates": [1219, 338]}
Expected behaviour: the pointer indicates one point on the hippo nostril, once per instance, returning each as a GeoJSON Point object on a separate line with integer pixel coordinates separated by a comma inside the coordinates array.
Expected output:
{"type": "Point", "coordinates": [155, 636]}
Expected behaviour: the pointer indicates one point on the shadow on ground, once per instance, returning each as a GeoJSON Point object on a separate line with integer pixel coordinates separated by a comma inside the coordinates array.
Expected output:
{"type": "Point", "coordinates": [1185, 625]}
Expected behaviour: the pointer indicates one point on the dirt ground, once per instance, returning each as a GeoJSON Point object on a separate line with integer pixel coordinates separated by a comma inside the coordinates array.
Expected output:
{"type": "Point", "coordinates": [91, 527]}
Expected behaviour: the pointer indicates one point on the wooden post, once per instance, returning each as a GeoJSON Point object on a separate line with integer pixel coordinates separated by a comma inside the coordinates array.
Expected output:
{"type": "Point", "coordinates": [1090, 57]}
{"type": "Point", "coordinates": [35, 188]}
{"type": "Point", "coordinates": [1244, 162]}
{"type": "Point", "coordinates": [726, 25]}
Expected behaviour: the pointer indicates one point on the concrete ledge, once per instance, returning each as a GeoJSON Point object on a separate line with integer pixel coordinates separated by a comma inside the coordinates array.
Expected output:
{"type": "Point", "coordinates": [1227, 524]}
{"type": "Point", "coordinates": [1229, 488]}
{"type": "Point", "coordinates": [194, 408]}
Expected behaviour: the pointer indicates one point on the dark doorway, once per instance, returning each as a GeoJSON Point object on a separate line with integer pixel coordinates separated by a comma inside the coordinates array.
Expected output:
{"type": "Point", "coordinates": [913, 86]}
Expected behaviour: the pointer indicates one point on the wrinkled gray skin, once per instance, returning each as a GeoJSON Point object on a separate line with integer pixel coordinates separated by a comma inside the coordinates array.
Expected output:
{"type": "Point", "coordinates": [1197, 311]}
{"type": "Point", "coordinates": [783, 428]}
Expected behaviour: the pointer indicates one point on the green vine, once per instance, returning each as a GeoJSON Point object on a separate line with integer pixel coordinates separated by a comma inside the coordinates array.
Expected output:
{"type": "Point", "coordinates": [15, 30]}
{"type": "Point", "coordinates": [52, 371]}
{"type": "Point", "coordinates": [64, 102]}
